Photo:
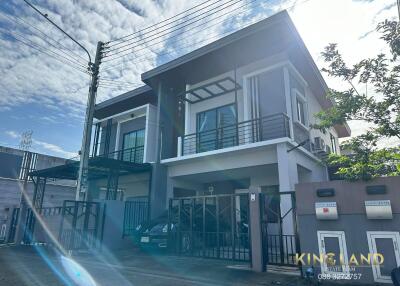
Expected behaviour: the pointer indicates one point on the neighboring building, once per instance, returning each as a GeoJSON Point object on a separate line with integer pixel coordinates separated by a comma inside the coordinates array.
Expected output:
{"type": "Point", "coordinates": [13, 170]}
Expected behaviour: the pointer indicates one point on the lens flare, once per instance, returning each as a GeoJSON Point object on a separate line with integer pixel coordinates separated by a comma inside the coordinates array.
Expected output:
{"type": "Point", "coordinates": [77, 273]}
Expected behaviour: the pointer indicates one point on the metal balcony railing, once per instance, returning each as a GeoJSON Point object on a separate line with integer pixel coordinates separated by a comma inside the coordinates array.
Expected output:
{"type": "Point", "coordinates": [133, 155]}
{"type": "Point", "coordinates": [246, 132]}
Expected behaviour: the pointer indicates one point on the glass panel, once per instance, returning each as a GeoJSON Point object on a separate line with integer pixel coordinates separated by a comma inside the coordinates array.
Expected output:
{"type": "Point", "coordinates": [300, 111]}
{"type": "Point", "coordinates": [206, 125]}
{"type": "Point", "coordinates": [227, 126]}
{"type": "Point", "coordinates": [332, 246]}
{"type": "Point", "coordinates": [385, 247]}
{"type": "Point", "coordinates": [133, 146]}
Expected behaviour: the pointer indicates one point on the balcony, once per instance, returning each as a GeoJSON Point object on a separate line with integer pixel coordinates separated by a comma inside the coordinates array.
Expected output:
{"type": "Point", "coordinates": [246, 132]}
{"type": "Point", "coordinates": [133, 155]}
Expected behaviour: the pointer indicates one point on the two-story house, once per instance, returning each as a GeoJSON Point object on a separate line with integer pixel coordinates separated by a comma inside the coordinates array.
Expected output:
{"type": "Point", "coordinates": [232, 116]}
{"type": "Point", "coordinates": [236, 114]}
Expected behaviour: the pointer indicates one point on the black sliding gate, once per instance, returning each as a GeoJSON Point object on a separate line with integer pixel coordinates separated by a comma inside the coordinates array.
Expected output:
{"type": "Point", "coordinates": [279, 228]}
{"type": "Point", "coordinates": [210, 226]}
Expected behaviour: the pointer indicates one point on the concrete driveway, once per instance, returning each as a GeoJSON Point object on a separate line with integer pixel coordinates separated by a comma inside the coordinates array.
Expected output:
{"type": "Point", "coordinates": [38, 266]}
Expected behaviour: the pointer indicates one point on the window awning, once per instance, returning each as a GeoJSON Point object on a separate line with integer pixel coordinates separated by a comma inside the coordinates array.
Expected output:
{"type": "Point", "coordinates": [99, 167]}
{"type": "Point", "coordinates": [210, 90]}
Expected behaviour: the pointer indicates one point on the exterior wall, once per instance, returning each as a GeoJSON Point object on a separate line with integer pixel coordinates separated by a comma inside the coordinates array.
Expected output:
{"type": "Point", "coordinates": [135, 185]}
{"type": "Point", "coordinates": [352, 218]}
{"type": "Point", "coordinates": [10, 196]}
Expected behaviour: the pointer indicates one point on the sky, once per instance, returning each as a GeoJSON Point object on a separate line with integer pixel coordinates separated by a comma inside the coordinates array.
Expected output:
{"type": "Point", "coordinates": [47, 96]}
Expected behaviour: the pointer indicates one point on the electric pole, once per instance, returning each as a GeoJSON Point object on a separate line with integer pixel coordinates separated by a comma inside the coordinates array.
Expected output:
{"type": "Point", "coordinates": [82, 185]}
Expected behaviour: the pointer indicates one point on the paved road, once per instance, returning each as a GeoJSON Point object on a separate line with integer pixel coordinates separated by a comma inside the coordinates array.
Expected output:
{"type": "Point", "coordinates": [35, 266]}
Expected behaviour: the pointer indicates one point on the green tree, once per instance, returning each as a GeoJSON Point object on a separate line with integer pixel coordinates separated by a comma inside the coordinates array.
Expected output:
{"type": "Point", "coordinates": [363, 159]}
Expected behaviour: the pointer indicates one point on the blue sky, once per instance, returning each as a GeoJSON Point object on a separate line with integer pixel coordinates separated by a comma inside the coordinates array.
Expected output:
{"type": "Point", "coordinates": [40, 94]}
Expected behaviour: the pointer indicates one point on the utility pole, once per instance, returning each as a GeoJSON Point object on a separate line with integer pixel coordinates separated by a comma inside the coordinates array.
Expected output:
{"type": "Point", "coordinates": [398, 8]}
{"type": "Point", "coordinates": [82, 185]}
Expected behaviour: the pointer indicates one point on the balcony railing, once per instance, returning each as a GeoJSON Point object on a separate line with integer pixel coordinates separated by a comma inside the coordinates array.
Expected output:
{"type": "Point", "coordinates": [133, 155]}
{"type": "Point", "coordinates": [246, 132]}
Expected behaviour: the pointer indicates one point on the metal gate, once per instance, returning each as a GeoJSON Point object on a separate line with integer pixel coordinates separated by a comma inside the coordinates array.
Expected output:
{"type": "Point", "coordinates": [279, 228]}
{"type": "Point", "coordinates": [13, 225]}
{"type": "Point", "coordinates": [135, 213]}
{"type": "Point", "coordinates": [210, 226]}
{"type": "Point", "coordinates": [80, 225]}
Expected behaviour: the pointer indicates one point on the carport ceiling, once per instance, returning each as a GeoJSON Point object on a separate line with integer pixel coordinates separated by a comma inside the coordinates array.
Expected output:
{"type": "Point", "coordinates": [232, 174]}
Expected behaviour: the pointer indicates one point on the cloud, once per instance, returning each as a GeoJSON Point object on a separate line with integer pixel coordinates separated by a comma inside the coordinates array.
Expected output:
{"type": "Point", "coordinates": [53, 148]}
{"type": "Point", "coordinates": [13, 134]}
{"type": "Point", "coordinates": [29, 77]}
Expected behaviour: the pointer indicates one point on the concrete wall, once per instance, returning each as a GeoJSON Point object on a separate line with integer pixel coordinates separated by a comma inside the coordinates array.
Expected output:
{"type": "Point", "coordinates": [10, 196]}
{"type": "Point", "coordinates": [352, 219]}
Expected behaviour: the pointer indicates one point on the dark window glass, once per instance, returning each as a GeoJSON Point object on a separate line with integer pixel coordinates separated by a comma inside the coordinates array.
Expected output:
{"type": "Point", "coordinates": [133, 146]}
{"type": "Point", "coordinates": [216, 128]}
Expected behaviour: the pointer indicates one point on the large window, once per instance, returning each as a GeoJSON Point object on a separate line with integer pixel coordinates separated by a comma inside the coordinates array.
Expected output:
{"type": "Point", "coordinates": [133, 146]}
{"type": "Point", "coordinates": [216, 128]}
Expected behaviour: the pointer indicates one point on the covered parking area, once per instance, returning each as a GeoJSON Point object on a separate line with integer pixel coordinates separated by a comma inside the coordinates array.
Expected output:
{"type": "Point", "coordinates": [79, 223]}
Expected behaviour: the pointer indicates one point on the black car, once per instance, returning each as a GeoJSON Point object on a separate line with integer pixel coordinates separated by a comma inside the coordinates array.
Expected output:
{"type": "Point", "coordinates": [153, 233]}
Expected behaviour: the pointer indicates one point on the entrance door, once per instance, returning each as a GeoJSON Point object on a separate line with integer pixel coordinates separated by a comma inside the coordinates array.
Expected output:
{"type": "Point", "coordinates": [386, 243]}
{"type": "Point", "coordinates": [333, 242]}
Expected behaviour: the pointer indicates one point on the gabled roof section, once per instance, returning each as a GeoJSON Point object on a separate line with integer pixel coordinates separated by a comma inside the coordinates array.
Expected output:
{"type": "Point", "coordinates": [261, 25]}
{"type": "Point", "coordinates": [277, 32]}
{"type": "Point", "coordinates": [131, 99]}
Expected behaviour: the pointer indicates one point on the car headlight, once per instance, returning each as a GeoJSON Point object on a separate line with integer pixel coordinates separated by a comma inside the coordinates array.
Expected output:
{"type": "Point", "coordinates": [165, 228]}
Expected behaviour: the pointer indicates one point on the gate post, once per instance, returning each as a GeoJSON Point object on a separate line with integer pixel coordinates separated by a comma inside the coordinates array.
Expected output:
{"type": "Point", "coordinates": [255, 230]}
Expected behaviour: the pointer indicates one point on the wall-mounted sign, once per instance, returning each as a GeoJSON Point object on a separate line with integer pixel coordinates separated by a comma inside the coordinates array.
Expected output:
{"type": "Point", "coordinates": [380, 209]}
{"type": "Point", "coordinates": [253, 197]}
{"type": "Point", "coordinates": [326, 210]}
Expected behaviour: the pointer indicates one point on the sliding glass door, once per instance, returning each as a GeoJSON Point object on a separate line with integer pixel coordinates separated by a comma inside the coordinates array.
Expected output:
{"type": "Point", "coordinates": [133, 146]}
{"type": "Point", "coordinates": [217, 128]}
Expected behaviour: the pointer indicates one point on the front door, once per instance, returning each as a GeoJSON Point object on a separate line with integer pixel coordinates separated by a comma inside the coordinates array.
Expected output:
{"type": "Point", "coordinates": [333, 242]}
{"type": "Point", "coordinates": [386, 243]}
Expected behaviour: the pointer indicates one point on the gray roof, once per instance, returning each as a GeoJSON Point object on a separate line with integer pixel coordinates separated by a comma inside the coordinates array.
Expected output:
{"type": "Point", "coordinates": [261, 25]}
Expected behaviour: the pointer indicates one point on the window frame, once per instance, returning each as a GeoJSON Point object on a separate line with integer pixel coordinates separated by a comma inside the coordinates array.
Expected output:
{"type": "Point", "coordinates": [333, 143]}
{"type": "Point", "coordinates": [299, 97]}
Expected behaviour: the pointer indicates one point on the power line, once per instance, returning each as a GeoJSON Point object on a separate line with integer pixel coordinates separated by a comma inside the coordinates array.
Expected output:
{"type": "Point", "coordinates": [59, 28]}
{"type": "Point", "coordinates": [31, 26]}
{"type": "Point", "coordinates": [143, 57]}
{"type": "Point", "coordinates": [192, 28]}
{"type": "Point", "coordinates": [156, 24]}
{"type": "Point", "coordinates": [146, 41]}
{"type": "Point", "coordinates": [165, 25]}
{"type": "Point", "coordinates": [35, 47]}
{"type": "Point", "coordinates": [207, 41]}
{"type": "Point", "coordinates": [67, 56]}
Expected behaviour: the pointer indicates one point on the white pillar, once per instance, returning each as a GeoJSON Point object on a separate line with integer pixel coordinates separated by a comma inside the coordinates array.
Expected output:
{"type": "Point", "coordinates": [288, 177]}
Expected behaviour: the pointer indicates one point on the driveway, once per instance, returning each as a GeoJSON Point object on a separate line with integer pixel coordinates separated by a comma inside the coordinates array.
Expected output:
{"type": "Point", "coordinates": [38, 266]}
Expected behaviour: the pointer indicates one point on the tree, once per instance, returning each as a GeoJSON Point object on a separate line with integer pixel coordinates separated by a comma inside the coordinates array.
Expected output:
{"type": "Point", "coordinates": [364, 160]}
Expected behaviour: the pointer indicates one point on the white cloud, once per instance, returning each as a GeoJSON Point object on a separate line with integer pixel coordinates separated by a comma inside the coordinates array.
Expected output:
{"type": "Point", "coordinates": [43, 147]}
{"type": "Point", "coordinates": [31, 77]}
{"type": "Point", "coordinates": [13, 134]}
{"type": "Point", "coordinates": [53, 148]}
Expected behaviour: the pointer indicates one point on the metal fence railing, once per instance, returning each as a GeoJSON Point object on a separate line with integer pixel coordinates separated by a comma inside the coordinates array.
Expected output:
{"type": "Point", "coordinates": [133, 155]}
{"type": "Point", "coordinates": [135, 213]}
{"type": "Point", "coordinates": [246, 132]}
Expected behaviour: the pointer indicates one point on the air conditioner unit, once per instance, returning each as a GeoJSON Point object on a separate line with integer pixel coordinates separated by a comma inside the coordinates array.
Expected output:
{"type": "Point", "coordinates": [319, 144]}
